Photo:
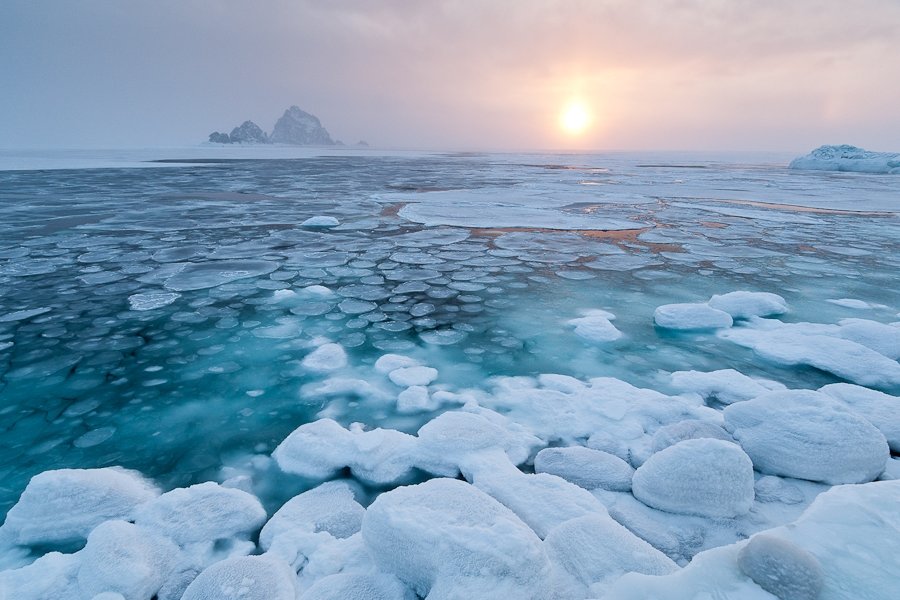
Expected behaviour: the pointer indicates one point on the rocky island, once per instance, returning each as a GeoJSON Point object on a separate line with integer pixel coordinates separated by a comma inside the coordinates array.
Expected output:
{"type": "Point", "coordinates": [296, 127]}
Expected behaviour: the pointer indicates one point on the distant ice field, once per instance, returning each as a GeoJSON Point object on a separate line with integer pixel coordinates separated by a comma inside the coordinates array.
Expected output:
{"type": "Point", "coordinates": [593, 343]}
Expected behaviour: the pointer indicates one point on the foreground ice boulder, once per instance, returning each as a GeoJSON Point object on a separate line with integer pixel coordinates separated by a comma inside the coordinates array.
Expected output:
{"type": "Point", "coordinates": [331, 508]}
{"type": "Point", "coordinates": [848, 158]}
{"type": "Point", "coordinates": [880, 409]}
{"type": "Point", "coordinates": [595, 548]}
{"type": "Point", "coordinates": [689, 429]}
{"type": "Point", "coordinates": [245, 578]}
{"type": "Point", "coordinates": [781, 568]}
{"type": "Point", "coordinates": [63, 506]}
{"type": "Point", "coordinates": [691, 316]}
{"type": "Point", "coordinates": [446, 539]}
{"type": "Point", "coordinates": [852, 531]}
{"type": "Point", "coordinates": [585, 467]}
{"type": "Point", "coordinates": [807, 435]}
{"type": "Point", "coordinates": [703, 477]}
{"type": "Point", "coordinates": [346, 586]}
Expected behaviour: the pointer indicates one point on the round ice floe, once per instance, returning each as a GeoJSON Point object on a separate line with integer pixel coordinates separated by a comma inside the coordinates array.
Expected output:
{"type": "Point", "coordinates": [199, 276]}
{"type": "Point", "coordinates": [320, 221]}
{"type": "Point", "coordinates": [409, 376]}
{"type": "Point", "coordinates": [880, 409]}
{"type": "Point", "coordinates": [691, 316]}
{"type": "Point", "coordinates": [127, 559]}
{"type": "Point", "coordinates": [152, 300]}
{"type": "Point", "coordinates": [807, 435]}
{"type": "Point", "coordinates": [416, 399]}
{"type": "Point", "coordinates": [689, 429]}
{"type": "Point", "coordinates": [245, 577]}
{"type": "Point", "coordinates": [446, 539]}
{"type": "Point", "coordinates": [205, 512]}
{"type": "Point", "coordinates": [595, 548]}
{"type": "Point", "coordinates": [743, 305]}
{"type": "Point", "coordinates": [703, 477]}
{"type": "Point", "coordinates": [391, 362]}
{"type": "Point", "coordinates": [596, 326]}
{"type": "Point", "coordinates": [782, 568]}
{"type": "Point", "coordinates": [327, 357]}
{"type": "Point", "coordinates": [331, 508]}
{"type": "Point", "coordinates": [344, 586]}
{"type": "Point", "coordinates": [584, 467]}
{"type": "Point", "coordinates": [63, 506]}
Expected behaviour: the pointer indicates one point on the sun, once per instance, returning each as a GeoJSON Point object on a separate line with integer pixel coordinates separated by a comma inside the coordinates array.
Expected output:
{"type": "Point", "coordinates": [575, 118]}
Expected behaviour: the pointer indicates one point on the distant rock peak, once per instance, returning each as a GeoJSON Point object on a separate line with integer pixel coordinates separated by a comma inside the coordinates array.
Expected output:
{"type": "Point", "coordinates": [295, 127]}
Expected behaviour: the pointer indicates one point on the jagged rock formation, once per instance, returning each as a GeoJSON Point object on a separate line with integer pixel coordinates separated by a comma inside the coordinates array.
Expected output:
{"type": "Point", "coordinates": [296, 127]}
{"type": "Point", "coordinates": [301, 128]}
{"type": "Point", "coordinates": [248, 133]}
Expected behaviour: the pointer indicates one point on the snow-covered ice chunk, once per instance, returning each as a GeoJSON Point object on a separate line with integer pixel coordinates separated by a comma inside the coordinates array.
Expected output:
{"type": "Point", "coordinates": [595, 548]}
{"type": "Point", "coordinates": [781, 568]}
{"type": "Point", "coordinates": [409, 376]}
{"type": "Point", "coordinates": [703, 477]}
{"type": "Point", "coordinates": [884, 339]}
{"type": "Point", "coordinates": [391, 362]}
{"type": "Point", "coordinates": [127, 559]}
{"type": "Point", "coordinates": [596, 326]}
{"type": "Point", "coordinates": [541, 500]}
{"type": "Point", "coordinates": [63, 506]}
{"type": "Point", "coordinates": [743, 305]}
{"type": "Point", "coordinates": [807, 435]}
{"type": "Point", "coordinates": [689, 429]}
{"type": "Point", "coordinates": [202, 513]}
{"type": "Point", "coordinates": [770, 488]}
{"type": "Point", "coordinates": [446, 539]}
{"type": "Point", "coordinates": [880, 409]}
{"type": "Point", "coordinates": [585, 467]}
{"type": "Point", "coordinates": [51, 577]}
{"type": "Point", "coordinates": [455, 441]}
{"type": "Point", "coordinates": [691, 316]}
{"type": "Point", "coordinates": [327, 357]}
{"type": "Point", "coordinates": [330, 507]}
{"type": "Point", "coordinates": [319, 450]}
{"type": "Point", "coordinates": [416, 398]}
{"type": "Point", "coordinates": [320, 221]}
{"type": "Point", "coordinates": [848, 158]}
{"type": "Point", "coordinates": [726, 386]}
{"type": "Point", "coordinates": [845, 358]}
{"type": "Point", "coordinates": [358, 586]}
{"type": "Point", "coordinates": [246, 578]}
{"type": "Point", "coordinates": [152, 300]}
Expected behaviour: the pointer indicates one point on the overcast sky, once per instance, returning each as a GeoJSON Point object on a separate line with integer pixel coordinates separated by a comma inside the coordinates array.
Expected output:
{"type": "Point", "coordinates": [477, 74]}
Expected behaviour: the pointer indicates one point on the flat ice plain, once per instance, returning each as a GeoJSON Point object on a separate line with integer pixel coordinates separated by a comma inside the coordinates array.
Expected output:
{"type": "Point", "coordinates": [253, 373]}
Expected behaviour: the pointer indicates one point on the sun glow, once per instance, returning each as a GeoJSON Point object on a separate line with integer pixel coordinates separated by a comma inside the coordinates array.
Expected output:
{"type": "Point", "coordinates": [575, 118]}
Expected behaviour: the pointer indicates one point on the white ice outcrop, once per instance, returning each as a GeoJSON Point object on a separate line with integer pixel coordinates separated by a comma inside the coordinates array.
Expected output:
{"type": "Point", "coordinates": [689, 316]}
{"type": "Point", "coordinates": [446, 539]}
{"type": "Point", "coordinates": [848, 158]}
{"type": "Point", "coordinates": [704, 477]}
{"type": "Point", "coordinates": [807, 435]}
{"type": "Point", "coordinates": [63, 506]}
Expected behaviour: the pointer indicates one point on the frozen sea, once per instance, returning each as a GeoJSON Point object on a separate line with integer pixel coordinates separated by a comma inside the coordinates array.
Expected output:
{"type": "Point", "coordinates": [387, 318]}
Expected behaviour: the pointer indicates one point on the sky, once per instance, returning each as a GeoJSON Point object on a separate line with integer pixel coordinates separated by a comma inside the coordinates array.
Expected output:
{"type": "Point", "coordinates": [459, 75]}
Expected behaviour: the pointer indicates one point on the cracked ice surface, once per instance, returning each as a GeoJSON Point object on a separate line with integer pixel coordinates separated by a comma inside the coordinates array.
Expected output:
{"type": "Point", "coordinates": [191, 356]}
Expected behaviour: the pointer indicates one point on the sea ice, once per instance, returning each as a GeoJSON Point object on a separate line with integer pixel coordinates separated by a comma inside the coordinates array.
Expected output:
{"type": "Point", "coordinates": [743, 305]}
{"type": "Point", "coordinates": [152, 300]}
{"type": "Point", "coordinates": [691, 316]}
{"type": "Point", "coordinates": [198, 276]}
{"type": "Point", "coordinates": [63, 506]}
{"type": "Point", "coordinates": [880, 409]}
{"type": "Point", "coordinates": [807, 435]}
{"type": "Point", "coordinates": [21, 315]}
{"type": "Point", "coordinates": [414, 375]}
{"type": "Point", "coordinates": [347, 586]}
{"type": "Point", "coordinates": [596, 326]}
{"type": "Point", "coordinates": [246, 578]}
{"type": "Point", "coordinates": [446, 539]}
{"type": "Point", "coordinates": [781, 568]}
{"type": "Point", "coordinates": [848, 158]}
{"type": "Point", "coordinates": [327, 357]}
{"type": "Point", "coordinates": [704, 477]}
{"type": "Point", "coordinates": [726, 386]}
{"type": "Point", "coordinates": [689, 429]}
{"type": "Point", "coordinates": [320, 221]}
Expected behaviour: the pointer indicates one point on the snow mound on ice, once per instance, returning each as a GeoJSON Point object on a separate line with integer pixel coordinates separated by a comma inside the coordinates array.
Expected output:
{"type": "Point", "coordinates": [743, 305]}
{"type": "Point", "coordinates": [781, 568]}
{"type": "Point", "coordinates": [726, 386]}
{"type": "Point", "coordinates": [691, 316]}
{"type": "Point", "coordinates": [703, 477]}
{"type": "Point", "coordinates": [807, 435]}
{"type": "Point", "coordinates": [63, 506]}
{"type": "Point", "coordinates": [880, 409]}
{"type": "Point", "coordinates": [330, 507]}
{"type": "Point", "coordinates": [689, 429]}
{"type": "Point", "coordinates": [585, 467]}
{"type": "Point", "coordinates": [446, 539]}
{"type": "Point", "coordinates": [245, 577]}
{"type": "Point", "coordinates": [847, 158]}
{"type": "Point", "coordinates": [345, 586]}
